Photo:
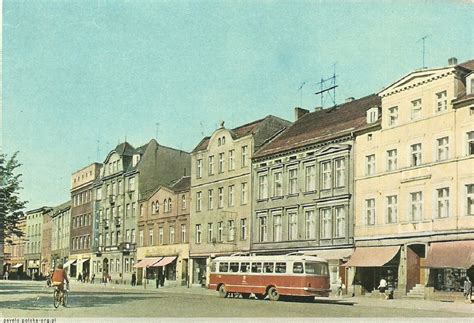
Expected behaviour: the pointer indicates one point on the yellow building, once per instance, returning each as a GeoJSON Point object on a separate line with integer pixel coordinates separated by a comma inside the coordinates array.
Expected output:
{"type": "Point", "coordinates": [414, 184]}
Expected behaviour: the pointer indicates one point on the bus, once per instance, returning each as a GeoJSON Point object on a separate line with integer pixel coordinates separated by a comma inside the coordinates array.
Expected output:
{"type": "Point", "coordinates": [293, 274]}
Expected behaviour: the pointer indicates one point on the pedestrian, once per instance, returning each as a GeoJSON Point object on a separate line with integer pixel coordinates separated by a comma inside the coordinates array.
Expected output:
{"type": "Point", "coordinates": [339, 286]}
{"type": "Point", "coordinates": [157, 279]}
{"type": "Point", "coordinates": [382, 288]}
{"type": "Point", "coordinates": [92, 278]}
{"type": "Point", "coordinates": [79, 277]}
{"type": "Point", "coordinates": [134, 279]}
{"type": "Point", "coordinates": [468, 289]}
{"type": "Point", "coordinates": [6, 275]}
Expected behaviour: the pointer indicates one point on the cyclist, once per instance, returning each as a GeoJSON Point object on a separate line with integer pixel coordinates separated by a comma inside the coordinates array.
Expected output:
{"type": "Point", "coordinates": [58, 278]}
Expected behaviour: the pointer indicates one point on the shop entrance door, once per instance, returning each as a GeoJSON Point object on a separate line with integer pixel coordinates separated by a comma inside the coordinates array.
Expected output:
{"type": "Point", "coordinates": [415, 253]}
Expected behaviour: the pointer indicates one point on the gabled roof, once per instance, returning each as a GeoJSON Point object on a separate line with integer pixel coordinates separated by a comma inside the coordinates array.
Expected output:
{"type": "Point", "coordinates": [469, 65]}
{"type": "Point", "coordinates": [182, 184]}
{"type": "Point", "coordinates": [244, 130]}
{"type": "Point", "coordinates": [125, 148]}
{"type": "Point", "coordinates": [322, 125]}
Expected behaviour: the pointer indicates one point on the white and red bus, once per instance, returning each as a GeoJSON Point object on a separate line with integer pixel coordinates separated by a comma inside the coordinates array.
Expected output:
{"type": "Point", "coordinates": [273, 276]}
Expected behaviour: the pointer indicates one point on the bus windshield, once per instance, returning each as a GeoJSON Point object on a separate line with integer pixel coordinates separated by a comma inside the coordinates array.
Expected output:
{"type": "Point", "coordinates": [316, 268]}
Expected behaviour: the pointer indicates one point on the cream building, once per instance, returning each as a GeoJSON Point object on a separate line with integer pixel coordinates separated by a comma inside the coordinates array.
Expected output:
{"type": "Point", "coordinates": [414, 184]}
{"type": "Point", "coordinates": [221, 192]}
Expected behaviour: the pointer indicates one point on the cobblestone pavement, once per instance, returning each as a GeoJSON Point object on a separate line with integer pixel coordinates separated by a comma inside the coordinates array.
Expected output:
{"type": "Point", "coordinates": [34, 299]}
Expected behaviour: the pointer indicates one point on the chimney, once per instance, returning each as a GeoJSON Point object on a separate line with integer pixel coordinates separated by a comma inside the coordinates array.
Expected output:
{"type": "Point", "coordinates": [299, 112]}
{"type": "Point", "coordinates": [349, 99]}
{"type": "Point", "coordinates": [453, 61]}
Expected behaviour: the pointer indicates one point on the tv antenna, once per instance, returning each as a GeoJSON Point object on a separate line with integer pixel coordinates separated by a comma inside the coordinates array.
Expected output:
{"type": "Point", "coordinates": [423, 39]}
{"type": "Point", "coordinates": [98, 149]}
{"type": "Point", "coordinates": [301, 93]}
{"type": "Point", "coordinates": [328, 86]}
{"type": "Point", "coordinates": [157, 128]}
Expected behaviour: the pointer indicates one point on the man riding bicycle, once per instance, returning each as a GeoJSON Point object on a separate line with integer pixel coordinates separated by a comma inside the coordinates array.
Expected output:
{"type": "Point", "coordinates": [58, 278]}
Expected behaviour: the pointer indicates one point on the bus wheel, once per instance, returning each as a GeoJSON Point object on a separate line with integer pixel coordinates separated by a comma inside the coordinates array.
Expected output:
{"type": "Point", "coordinates": [245, 295]}
{"type": "Point", "coordinates": [222, 292]}
{"type": "Point", "coordinates": [273, 294]}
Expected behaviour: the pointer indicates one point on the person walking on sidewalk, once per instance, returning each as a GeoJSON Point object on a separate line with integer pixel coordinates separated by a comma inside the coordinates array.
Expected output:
{"type": "Point", "coordinates": [339, 286]}
{"type": "Point", "coordinates": [382, 288]}
{"type": "Point", "coordinates": [468, 289]}
{"type": "Point", "coordinates": [134, 279]}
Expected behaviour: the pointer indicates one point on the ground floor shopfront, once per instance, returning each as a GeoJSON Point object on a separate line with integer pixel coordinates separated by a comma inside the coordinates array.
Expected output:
{"type": "Point", "coordinates": [163, 265]}
{"type": "Point", "coordinates": [33, 265]}
{"type": "Point", "coordinates": [113, 266]}
{"type": "Point", "coordinates": [80, 264]}
{"type": "Point", "coordinates": [436, 263]}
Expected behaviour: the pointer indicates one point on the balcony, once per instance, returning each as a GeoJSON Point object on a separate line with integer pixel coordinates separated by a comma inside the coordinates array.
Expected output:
{"type": "Point", "coordinates": [127, 247]}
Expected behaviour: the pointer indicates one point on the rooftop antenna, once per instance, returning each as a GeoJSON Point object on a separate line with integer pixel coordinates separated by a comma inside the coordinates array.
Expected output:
{"type": "Point", "coordinates": [301, 93]}
{"type": "Point", "coordinates": [157, 128]}
{"type": "Point", "coordinates": [202, 128]}
{"type": "Point", "coordinates": [423, 39]}
{"type": "Point", "coordinates": [98, 149]}
{"type": "Point", "coordinates": [328, 86]}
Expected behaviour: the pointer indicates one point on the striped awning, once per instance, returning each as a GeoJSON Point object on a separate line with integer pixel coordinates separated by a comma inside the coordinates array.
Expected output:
{"type": "Point", "coordinates": [163, 262]}
{"type": "Point", "coordinates": [372, 256]}
{"type": "Point", "coordinates": [451, 254]}
{"type": "Point", "coordinates": [147, 262]}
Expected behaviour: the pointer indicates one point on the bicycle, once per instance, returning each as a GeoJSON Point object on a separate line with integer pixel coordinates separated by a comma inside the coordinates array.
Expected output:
{"type": "Point", "coordinates": [60, 297]}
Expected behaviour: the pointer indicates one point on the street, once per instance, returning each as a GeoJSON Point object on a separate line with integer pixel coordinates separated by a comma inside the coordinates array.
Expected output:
{"type": "Point", "coordinates": [34, 299]}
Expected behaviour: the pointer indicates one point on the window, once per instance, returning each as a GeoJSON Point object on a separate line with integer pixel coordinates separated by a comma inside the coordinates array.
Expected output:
{"type": "Point", "coordinates": [221, 163]}
{"type": "Point", "coordinates": [244, 267]}
{"type": "Point", "coordinates": [277, 184]}
{"type": "Point", "coordinates": [243, 193]}
{"type": "Point", "coordinates": [128, 211]}
{"type": "Point", "coordinates": [326, 175]}
{"type": "Point", "coordinates": [209, 232]}
{"type": "Point", "coordinates": [292, 226]}
{"type": "Point", "coordinates": [198, 201]}
{"type": "Point", "coordinates": [198, 233]}
{"type": "Point", "coordinates": [243, 229]}
{"type": "Point", "coordinates": [199, 168]}
{"type": "Point", "coordinates": [256, 267]}
{"type": "Point", "coordinates": [150, 237]}
{"type": "Point", "coordinates": [268, 267]}
{"type": "Point", "coordinates": [131, 184]}
{"type": "Point", "coordinates": [340, 172]}
{"type": "Point", "coordinates": [231, 159]}
{"type": "Point", "coordinates": [340, 222]}
{"type": "Point", "coordinates": [392, 116]}
{"type": "Point", "coordinates": [391, 159]}
{"type": "Point", "coordinates": [415, 154]}
{"type": "Point", "coordinates": [392, 208]}
{"type": "Point", "coordinates": [370, 165]}
{"type": "Point", "coordinates": [127, 235]}
{"type": "Point", "coordinates": [210, 202]}
{"type": "Point", "coordinates": [220, 197]}
{"type": "Point", "coordinates": [372, 115]}
{"type": "Point", "coordinates": [416, 109]}
{"type": "Point", "coordinates": [443, 148]}
{"type": "Point", "coordinates": [262, 237]}
{"type": "Point", "coordinates": [416, 206]}
{"type": "Point", "coordinates": [470, 199]}
{"type": "Point", "coordinates": [310, 178]}
{"type": "Point", "coordinates": [293, 181]}
{"type": "Point", "coordinates": [277, 230]}
{"type": "Point", "coordinates": [470, 143]}
{"type": "Point", "coordinates": [234, 267]}
{"type": "Point", "coordinates": [443, 202]}
{"type": "Point", "coordinates": [370, 211]}
{"type": "Point", "coordinates": [326, 223]}
{"type": "Point", "coordinates": [231, 228]}
{"type": "Point", "coordinates": [112, 236]}
{"type": "Point", "coordinates": [133, 235]}
{"type": "Point", "coordinates": [262, 186]}
{"type": "Point", "coordinates": [298, 268]}
{"type": "Point", "coordinates": [441, 101]}
{"type": "Point", "coordinates": [244, 156]}
{"type": "Point", "coordinates": [211, 165]}
{"type": "Point", "coordinates": [280, 267]}
{"type": "Point", "coordinates": [310, 227]}
{"type": "Point", "coordinates": [160, 235]}
{"type": "Point", "coordinates": [99, 194]}
{"type": "Point", "coordinates": [183, 202]}
{"type": "Point", "coordinates": [231, 196]}
{"type": "Point", "coordinates": [223, 267]}
{"type": "Point", "coordinates": [171, 235]}
{"type": "Point", "coordinates": [140, 236]}
{"type": "Point", "coordinates": [183, 233]}
{"type": "Point", "coordinates": [220, 231]}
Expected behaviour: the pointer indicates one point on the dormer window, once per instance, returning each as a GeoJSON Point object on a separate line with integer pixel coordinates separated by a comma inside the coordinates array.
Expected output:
{"type": "Point", "coordinates": [372, 115]}
{"type": "Point", "coordinates": [470, 84]}
{"type": "Point", "coordinates": [135, 159]}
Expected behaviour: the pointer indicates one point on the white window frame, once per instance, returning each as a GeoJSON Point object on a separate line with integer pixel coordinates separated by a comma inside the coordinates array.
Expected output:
{"type": "Point", "coordinates": [211, 165]}
{"type": "Point", "coordinates": [243, 229]}
{"type": "Point", "coordinates": [469, 199]}
{"type": "Point", "coordinates": [244, 156]}
{"type": "Point", "coordinates": [416, 157]}
{"type": "Point", "coordinates": [231, 191]}
{"type": "Point", "coordinates": [262, 228]}
{"type": "Point", "coordinates": [442, 202]}
{"type": "Point", "coordinates": [199, 168]}
{"type": "Point", "coordinates": [210, 199]}
{"type": "Point", "coordinates": [326, 223]}
{"type": "Point", "coordinates": [231, 159]}
{"type": "Point", "coordinates": [263, 186]}
{"type": "Point", "coordinates": [220, 197]}
{"type": "Point", "coordinates": [277, 227]}
{"type": "Point", "coordinates": [340, 227]}
{"type": "Point", "coordinates": [442, 148]}
{"type": "Point", "coordinates": [221, 162]}
{"type": "Point", "coordinates": [392, 209]}
{"type": "Point", "coordinates": [370, 165]}
{"type": "Point", "coordinates": [326, 175]}
{"type": "Point", "coordinates": [198, 201]}
{"type": "Point", "coordinates": [441, 101]}
{"type": "Point", "coordinates": [393, 116]}
{"type": "Point", "coordinates": [231, 230]}
{"type": "Point", "coordinates": [310, 178]}
{"type": "Point", "coordinates": [292, 225]}
{"type": "Point", "coordinates": [198, 236]}
{"type": "Point", "coordinates": [370, 211]}
{"type": "Point", "coordinates": [243, 193]}
{"type": "Point", "coordinates": [340, 172]}
{"type": "Point", "coordinates": [310, 224]}
{"type": "Point", "coordinates": [183, 233]}
{"type": "Point", "coordinates": [292, 181]}
{"type": "Point", "coordinates": [416, 109]}
{"type": "Point", "coordinates": [277, 183]}
{"type": "Point", "coordinates": [416, 206]}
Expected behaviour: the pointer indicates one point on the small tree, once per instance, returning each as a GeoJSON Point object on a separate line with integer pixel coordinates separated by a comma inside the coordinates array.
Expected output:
{"type": "Point", "coordinates": [11, 206]}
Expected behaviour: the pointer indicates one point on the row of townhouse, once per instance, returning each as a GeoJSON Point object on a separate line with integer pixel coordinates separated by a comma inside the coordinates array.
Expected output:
{"type": "Point", "coordinates": [381, 186]}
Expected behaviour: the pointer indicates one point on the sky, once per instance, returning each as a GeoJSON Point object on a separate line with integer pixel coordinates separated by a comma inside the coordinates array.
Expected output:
{"type": "Point", "coordinates": [81, 76]}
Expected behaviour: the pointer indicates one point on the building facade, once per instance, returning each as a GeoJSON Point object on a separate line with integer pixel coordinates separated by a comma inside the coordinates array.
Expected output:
{"type": "Point", "coordinates": [127, 174]}
{"type": "Point", "coordinates": [81, 220]}
{"type": "Point", "coordinates": [60, 234]}
{"type": "Point", "coordinates": [46, 230]}
{"type": "Point", "coordinates": [34, 233]}
{"type": "Point", "coordinates": [303, 185]}
{"type": "Point", "coordinates": [414, 184]}
{"type": "Point", "coordinates": [163, 230]}
{"type": "Point", "coordinates": [221, 189]}
{"type": "Point", "coordinates": [15, 252]}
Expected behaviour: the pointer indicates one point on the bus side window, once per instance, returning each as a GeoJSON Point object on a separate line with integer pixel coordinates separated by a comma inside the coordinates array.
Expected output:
{"type": "Point", "coordinates": [280, 267]}
{"type": "Point", "coordinates": [223, 267]}
{"type": "Point", "coordinates": [234, 267]}
{"type": "Point", "coordinates": [268, 267]}
{"type": "Point", "coordinates": [213, 267]}
{"type": "Point", "coordinates": [256, 267]}
{"type": "Point", "coordinates": [244, 267]}
{"type": "Point", "coordinates": [298, 268]}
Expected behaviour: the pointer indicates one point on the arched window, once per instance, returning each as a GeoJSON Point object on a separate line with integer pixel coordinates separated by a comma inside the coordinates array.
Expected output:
{"type": "Point", "coordinates": [165, 205]}
{"type": "Point", "coordinates": [223, 140]}
{"type": "Point", "coordinates": [153, 209]}
{"type": "Point", "coordinates": [219, 142]}
{"type": "Point", "coordinates": [169, 204]}
{"type": "Point", "coordinates": [183, 202]}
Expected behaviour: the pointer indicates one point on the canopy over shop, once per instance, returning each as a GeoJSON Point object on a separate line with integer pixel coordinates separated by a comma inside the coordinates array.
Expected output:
{"type": "Point", "coordinates": [449, 263]}
{"type": "Point", "coordinates": [158, 266]}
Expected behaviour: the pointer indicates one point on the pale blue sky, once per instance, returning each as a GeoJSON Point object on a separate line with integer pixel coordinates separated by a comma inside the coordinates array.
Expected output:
{"type": "Point", "coordinates": [75, 72]}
